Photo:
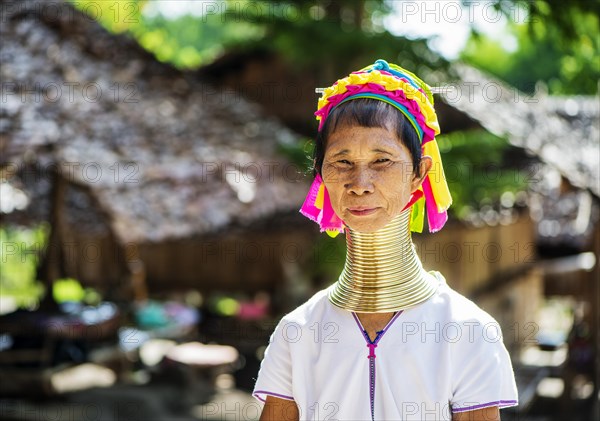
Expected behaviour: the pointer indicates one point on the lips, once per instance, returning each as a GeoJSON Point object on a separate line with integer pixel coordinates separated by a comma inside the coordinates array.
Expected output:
{"type": "Point", "coordinates": [362, 211]}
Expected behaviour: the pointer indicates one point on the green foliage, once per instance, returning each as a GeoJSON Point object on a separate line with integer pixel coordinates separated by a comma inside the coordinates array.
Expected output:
{"type": "Point", "coordinates": [561, 16]}
{"type": "Point", "coordinates": [345, 34]}
{"type": "Point", "coordinates": [567, 66]}
{"type": "Point", "coordinates": [20, 252]}
{"type": "Point", "coordinates": [338, 31]}
{"type": "Point", "coordinates": [67, 290]}
{"type": "Point", "coordinates": [70, 290]}
{"type": "Point", "coordinates": [329, 255]}
{"type": "Point", "coordinates": [117, 15]}
{"type": "Point", "coordinates": [299, 153]}
{"type": "Point", "coordinates": [189, 42]}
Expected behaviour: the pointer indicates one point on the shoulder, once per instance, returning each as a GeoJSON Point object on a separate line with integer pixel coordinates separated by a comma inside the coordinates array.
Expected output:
{"type": "Point", "coordinates": [454, 307]}
{"type": "Point", "coordinates": [315, 308]}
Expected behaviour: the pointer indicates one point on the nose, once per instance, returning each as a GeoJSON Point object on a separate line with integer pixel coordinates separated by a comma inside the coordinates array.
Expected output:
{"type": "Point", "coordinates": [360, 182]}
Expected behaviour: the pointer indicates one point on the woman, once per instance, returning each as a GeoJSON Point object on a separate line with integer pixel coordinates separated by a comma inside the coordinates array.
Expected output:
{"type": "Point", "coordinates": [388, 340]}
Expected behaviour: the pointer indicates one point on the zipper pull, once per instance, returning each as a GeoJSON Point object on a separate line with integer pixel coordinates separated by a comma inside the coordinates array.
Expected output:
{"type": "Point", "coordinates": [371, 347]}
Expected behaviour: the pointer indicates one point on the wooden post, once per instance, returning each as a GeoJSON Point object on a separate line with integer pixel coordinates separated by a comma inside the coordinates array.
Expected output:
{"type": "Point", "coordinates": [52, 264]}
{"type": "Point", "coordinates": [137, 273]}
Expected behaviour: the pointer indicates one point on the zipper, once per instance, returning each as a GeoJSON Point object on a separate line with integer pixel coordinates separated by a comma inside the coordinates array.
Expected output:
{"type": "Point", "coordinates": [372, 345]}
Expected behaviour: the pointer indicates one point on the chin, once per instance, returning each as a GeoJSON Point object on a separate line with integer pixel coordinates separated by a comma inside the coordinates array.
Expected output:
{"type": "Point", "coordinates": [362, 224]}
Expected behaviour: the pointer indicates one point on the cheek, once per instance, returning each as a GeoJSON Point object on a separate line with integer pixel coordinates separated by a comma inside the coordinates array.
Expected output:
{"type": "Point", "coordinates": [329, 176]}
{"type": "Point", "coordinates": [396, 186]}
{"type": "Point", "coordinates": [333, 180]}
{"type": "Point", "coordinates": [335, 188]}
{"type": "Point", "coordinates": [335, 192]}
{"type": "Point", "coordinates": [328, 173]}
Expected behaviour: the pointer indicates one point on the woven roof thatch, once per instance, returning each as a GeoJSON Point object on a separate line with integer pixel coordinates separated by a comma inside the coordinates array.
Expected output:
{"type": "Point", "coordinates": [563, 132]}
{"type": "Point", "coordinates": [163, 154]}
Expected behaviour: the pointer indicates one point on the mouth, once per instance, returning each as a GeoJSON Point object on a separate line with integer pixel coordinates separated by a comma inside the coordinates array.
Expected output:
{"type": "Point", "coordinates": [362, 211]}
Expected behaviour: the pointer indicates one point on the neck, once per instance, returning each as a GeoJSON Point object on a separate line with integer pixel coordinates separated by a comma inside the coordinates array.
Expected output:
{"type": "Point", "coordinates": [382, 272]}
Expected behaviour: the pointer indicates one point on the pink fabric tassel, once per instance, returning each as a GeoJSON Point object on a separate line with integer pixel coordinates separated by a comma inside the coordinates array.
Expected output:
{"type": "Point", "coordinates": [308, 208]}
{"type": "Point", "coordinates": [326, 217]}
{"type": "Point", "coordinates": [329, 219]}
{"type": "Point", "coordinates": [435, 219]}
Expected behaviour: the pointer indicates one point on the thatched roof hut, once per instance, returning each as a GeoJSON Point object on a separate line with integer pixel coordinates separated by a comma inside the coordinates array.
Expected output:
{"type": "Point", "coordinates": [563, 132]}
{"type": "Point", "coordinates": [119, 150]}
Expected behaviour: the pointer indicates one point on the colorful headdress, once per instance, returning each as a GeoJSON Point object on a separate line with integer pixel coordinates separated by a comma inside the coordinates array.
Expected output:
{"type": "Point", "coordinates": [412, 97]}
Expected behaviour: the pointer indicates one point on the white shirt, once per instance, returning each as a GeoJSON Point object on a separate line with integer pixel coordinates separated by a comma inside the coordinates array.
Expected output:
{"type": "Point", "coordinates": [442, 356]}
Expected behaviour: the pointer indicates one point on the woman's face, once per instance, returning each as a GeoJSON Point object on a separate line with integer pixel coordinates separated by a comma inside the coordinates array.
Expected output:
{"type": "Point", "coordinates": [369, 175]}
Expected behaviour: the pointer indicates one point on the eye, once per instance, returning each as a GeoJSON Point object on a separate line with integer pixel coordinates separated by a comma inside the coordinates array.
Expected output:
{"type": "Point", "coordinates": [343, 162]}
{"type": "Point", "coordinates": [382, 160]}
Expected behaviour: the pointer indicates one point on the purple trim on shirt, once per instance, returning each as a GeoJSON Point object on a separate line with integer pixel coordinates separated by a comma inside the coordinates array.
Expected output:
{"type": "Point", "coordinates": [364, 332]}
{"type": "Point", "coordinates": [266, 392]}
{"type": "Point", "coordinates": [501, 404]}
{"type": "Point", "coordinates": [372, 345]}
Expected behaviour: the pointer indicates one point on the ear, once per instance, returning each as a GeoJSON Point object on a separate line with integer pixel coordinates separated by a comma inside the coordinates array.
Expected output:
{"type": "Point", "coordinates": [424, 167]}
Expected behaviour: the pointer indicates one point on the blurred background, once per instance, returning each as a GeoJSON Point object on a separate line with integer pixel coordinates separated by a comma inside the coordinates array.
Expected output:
{"type": "Point", "coordinates": [155, 155]}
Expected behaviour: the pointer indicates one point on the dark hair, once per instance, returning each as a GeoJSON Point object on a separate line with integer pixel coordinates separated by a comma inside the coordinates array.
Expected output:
{"type": "Point", "coordinates": [367, 112]}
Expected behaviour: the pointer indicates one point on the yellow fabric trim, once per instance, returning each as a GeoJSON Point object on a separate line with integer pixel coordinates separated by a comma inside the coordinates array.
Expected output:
{"type": "Point", "coordinates": [416, 79]}
{"type": "Point", "coordinates": [332, 233]}
{"type": "Point", "coordinates": [417, 216]}
{"type": "Point", "coordinates": [439, 186]}
{"type": "Point", "coordinates": [320, 197]}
